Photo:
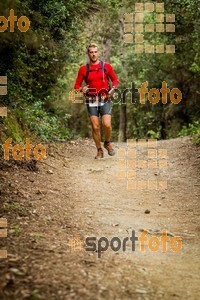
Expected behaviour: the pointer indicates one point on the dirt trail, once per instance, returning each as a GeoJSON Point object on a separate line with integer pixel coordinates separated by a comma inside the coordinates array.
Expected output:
{"type": "Point", "coordinates": [72, 196]}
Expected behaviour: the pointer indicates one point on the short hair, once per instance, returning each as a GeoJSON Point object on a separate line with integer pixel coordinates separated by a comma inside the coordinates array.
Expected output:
{"type": "Point", "coordinates": [91, 45]}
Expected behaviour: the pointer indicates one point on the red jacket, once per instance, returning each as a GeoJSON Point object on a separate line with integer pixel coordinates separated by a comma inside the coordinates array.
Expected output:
{"type": "Point", "coordinates": [95, 78]}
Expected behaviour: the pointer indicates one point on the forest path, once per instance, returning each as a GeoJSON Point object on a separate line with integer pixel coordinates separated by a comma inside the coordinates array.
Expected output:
{"type": "Point", "coordinates": [74, 196]}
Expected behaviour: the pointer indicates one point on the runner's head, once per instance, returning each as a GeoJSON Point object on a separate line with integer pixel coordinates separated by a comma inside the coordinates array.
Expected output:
{"type": "Point", "coordinates": [92, 50]}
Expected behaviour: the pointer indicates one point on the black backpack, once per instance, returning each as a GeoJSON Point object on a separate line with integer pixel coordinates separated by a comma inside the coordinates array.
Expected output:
{"type": "Point", "coordinates": [103, 73]}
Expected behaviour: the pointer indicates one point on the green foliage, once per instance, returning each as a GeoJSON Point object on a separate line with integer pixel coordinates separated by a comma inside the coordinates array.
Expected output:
{"type": "Point", "coordinates": [15, 206]}
{"type": "Point", "coordinates": [35, 61]}
{"type": "Point", "coordinates": [16, 230]}
{"type": "Point", "coordinates": [45, 125]}
{"type": "Point", "coordinates": [192, 130]}
{"type": "Point", "coordinates": [13, 128]}
{"type": "Point", "coordinates": [153, 134]}
{"type": "Point", "coordinates": [42, 65]}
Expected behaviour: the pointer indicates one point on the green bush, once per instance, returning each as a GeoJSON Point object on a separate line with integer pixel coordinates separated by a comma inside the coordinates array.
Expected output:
{"type": "Point", "coordinates": [46, 126]}
{"type": "Point", "coordinates": [192, 130]}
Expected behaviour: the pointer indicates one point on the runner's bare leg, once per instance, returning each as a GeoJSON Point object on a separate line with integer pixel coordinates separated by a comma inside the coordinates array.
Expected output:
{"type": "Point", "coordinates": [106, 121]}
{"type": "Point", "coordinates": [96, 130]}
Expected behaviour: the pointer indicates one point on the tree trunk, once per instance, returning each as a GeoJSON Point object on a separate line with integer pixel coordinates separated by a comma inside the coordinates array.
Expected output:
{"type": "Point", "coordinates": [122, 124]}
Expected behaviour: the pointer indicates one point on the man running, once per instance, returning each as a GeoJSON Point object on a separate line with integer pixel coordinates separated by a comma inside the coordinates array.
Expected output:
{"type": "Point", "coordinates": [96, 75]}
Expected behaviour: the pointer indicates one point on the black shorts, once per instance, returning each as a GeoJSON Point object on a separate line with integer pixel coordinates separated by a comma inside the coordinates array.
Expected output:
{"type": "Point", "coordinates": [105, 109]}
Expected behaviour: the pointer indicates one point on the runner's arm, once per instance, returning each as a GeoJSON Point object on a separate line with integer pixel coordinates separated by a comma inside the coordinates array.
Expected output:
{"type": "Point", "coordinates": [79, 80]}
{"type": "Point", "coordinates": [113, 76]}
